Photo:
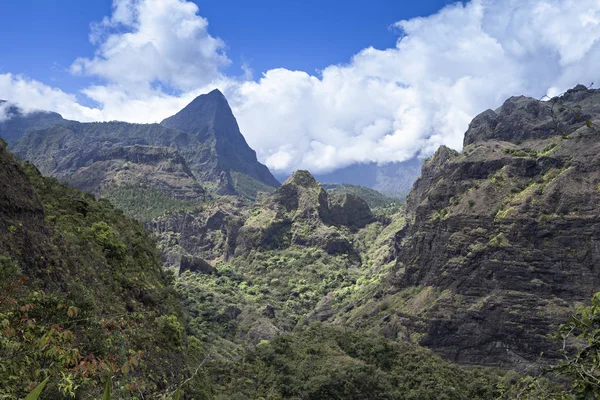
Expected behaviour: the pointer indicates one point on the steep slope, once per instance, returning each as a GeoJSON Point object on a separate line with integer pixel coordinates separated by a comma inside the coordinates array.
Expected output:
{"type": "Point", "coordinates": [501, 243]}
{"type": "Point", "coordinates": [82, 293]}
{"type": "Point", "coordinates": [15, 123]}
{"type": "Point", "coordinates": [211, 120]}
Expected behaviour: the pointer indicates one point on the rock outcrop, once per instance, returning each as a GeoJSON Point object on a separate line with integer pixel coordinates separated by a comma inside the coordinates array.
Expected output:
{"type": "Point", "coordinates": [299, 213]}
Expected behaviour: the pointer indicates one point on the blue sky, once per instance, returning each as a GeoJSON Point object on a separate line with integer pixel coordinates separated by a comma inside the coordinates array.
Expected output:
{"type": "Point", "coordinates": [46, 36]}
{"type": "Point", "coordinates": [333, 83]}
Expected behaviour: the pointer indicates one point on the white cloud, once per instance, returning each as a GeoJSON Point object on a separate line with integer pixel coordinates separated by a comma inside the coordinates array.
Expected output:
{"type": "Point", "coordinates": [154, 41]}
{"type": "Point", "coordinates": [388, 105]}
{"type": "Point", "coordinates": [384, 105]}
{"type": "Point", "coordinates": [33, 95]}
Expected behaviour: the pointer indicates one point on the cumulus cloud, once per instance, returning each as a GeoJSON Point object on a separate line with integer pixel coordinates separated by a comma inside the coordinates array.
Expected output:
{"type": "Point", "coordinates": [154, 41]}
{"type": "Point", "coordinates": [384, 105]}
{"type": "Point", "coordinates": [32, 95]}
{"type": "Point", "coordinates": [390, 105]}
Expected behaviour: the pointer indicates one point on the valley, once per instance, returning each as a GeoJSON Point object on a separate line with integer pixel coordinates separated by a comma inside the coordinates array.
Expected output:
{"type": "Point", "coordinates": [174, 258]}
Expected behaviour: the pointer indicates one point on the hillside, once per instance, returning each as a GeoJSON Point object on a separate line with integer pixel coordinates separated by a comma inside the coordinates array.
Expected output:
{"type": "Point", "coordinates": [15, 123]}
{"type": "Point", "coordinates": [210, 119]}
{"type": "Point", "coordinates": [83, 294]}
{"type": "Point", "coordinates": [308, 293]}
{"type": "Point", "coordinates": [372, 197]}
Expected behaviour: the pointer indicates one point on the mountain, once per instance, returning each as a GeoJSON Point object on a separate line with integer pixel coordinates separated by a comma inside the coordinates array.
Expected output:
{"type": "Point", "coordinates": [14, 122]}
{"type": "Point", "coordinates": [210, 119]}
{"type": "Point", "coordinates": [392, 179]}
{"type": "Point", "coordinates": [304, 293]}
{"type": "Point", "coordinates": [213, 154]}
{"type": "Point", "coordinates": [500, 241]}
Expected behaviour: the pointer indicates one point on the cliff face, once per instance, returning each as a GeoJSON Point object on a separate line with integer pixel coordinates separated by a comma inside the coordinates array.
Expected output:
{"type": "Point", "coordinates": [503, 240]}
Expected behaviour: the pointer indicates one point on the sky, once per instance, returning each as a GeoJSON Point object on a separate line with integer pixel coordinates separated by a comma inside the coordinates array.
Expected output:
{"type": "Point", "coordinates": [317, 85]}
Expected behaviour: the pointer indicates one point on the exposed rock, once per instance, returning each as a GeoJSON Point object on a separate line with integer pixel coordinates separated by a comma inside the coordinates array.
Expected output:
{"type": "Point", "coordinates": [522, 118]}
{"type": "Point", "coordinates": [350, 210]}
{"type": "Point", "coordinates": [195, 264]}
{"type": "Point", "coordinates": [211, 120]}
{"type": "Point", "coordinates": [205, 134]}
{"type": "Point", "coordinates": [262, 329]}
{"type": "Point", "coordinates": [299, 213]}
{"type": "Point", "coordinates": [211, 233]}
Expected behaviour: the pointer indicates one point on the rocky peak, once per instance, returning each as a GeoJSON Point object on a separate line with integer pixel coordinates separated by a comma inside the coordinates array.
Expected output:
{"type": "Point", "coordinates": [302, 192]}
{"type": "Point", "coordinates": [211, 120]}
{"type": "Point", "coordinates": [302, 178]}
{"type": "Point", "coordinates": [522, 118]}
{"type": "Point", "coordinates": [206, 116]}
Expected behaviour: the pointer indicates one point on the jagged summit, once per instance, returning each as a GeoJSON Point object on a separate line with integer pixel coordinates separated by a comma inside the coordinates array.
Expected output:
{"type": "Point", "coordinates": [207, 114]}
{"type": "Point", "coordinates": [522, 118]}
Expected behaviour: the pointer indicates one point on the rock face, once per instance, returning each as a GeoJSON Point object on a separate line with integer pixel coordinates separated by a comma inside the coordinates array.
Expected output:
{"type": "Point", "coordinates": [503, 239]}
{"type": "Point", "coordinates": [195, 264]}
{"type": "Point", "coordinates": [210, 119]}
{"type": "Point", "coordinates": [210, 234]}
{"type": "Point", "coordinates": [158, 167]}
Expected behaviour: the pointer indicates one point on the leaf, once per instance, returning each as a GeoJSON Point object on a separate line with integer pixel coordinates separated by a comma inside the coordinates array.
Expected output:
{"type": "Point", "coordinates": [106, 395]}
{"type": "Point", "coordinates": [178, 394]}
{"type": "Point", "coordinates": [37, 391]}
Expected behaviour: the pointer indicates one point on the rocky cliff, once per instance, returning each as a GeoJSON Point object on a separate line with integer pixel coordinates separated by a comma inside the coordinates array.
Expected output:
{"type": "Point", "coordinates": [502, 240]}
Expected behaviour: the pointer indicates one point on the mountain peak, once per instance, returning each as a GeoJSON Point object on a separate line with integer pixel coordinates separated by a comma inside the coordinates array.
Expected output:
{"type": "Point", "coordinates": [302, 178]}
{"type": "Point", "coordinates": [210, 119]}
{"type": "Point", "coordinates": [522, 118]}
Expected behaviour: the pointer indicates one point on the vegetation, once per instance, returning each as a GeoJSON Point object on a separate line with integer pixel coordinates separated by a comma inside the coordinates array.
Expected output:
{"type": "Point", "coordinates": [145, 203]}
{"type": "Point", "coordinates": [374, 199]}
{"type": "Point", "coordinates": [249, 187]}
{"type": "Point", "coordinates": [83, 296]}
{"type": "Point", "coordinates": [328, 362]}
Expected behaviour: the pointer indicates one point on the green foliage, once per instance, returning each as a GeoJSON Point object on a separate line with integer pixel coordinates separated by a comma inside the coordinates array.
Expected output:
{"type": "Point", "coordinates": [249, 187]}
{"type": "Point", "coordinates": [582, 366]}
{"type": "Point", "coordinates": [38, 390]}
{"type": "Point", "coordinates": [145, 203]}
{"type": "Point", "coordinates": [374, 199]}
{"type": "Point", "coordinates": [327, 362]}
{"type": "Point", "coordinates": [79, 300]}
